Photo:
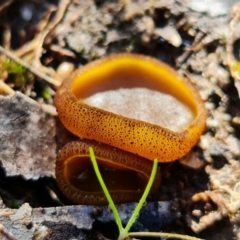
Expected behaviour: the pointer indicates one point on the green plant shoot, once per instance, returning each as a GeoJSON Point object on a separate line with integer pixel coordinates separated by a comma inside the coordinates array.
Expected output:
{"type": "Point", "coordinates": [123, 232]}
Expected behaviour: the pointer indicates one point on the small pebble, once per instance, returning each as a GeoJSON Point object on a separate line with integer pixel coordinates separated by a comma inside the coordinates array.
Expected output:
{"type": "Point", "coordinates": [65, 69]}
{"type": "Point", "coordinates": [197, 213]}
{"type": "Point", "coordinates": [26, 12]}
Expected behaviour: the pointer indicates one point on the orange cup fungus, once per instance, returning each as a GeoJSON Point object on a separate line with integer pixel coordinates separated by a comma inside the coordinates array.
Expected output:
{"type": "Point", "coordinates": [133, 109]}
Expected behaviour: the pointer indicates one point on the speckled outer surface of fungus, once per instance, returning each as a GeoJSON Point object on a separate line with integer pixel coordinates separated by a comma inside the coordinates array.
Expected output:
{"type": "Point", "coordinates": [135, 73]}
{"type": "Point", "coordinates": [132, 109]}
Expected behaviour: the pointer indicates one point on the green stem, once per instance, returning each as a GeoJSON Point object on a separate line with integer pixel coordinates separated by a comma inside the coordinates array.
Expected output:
{"type": "Point", "coordinates": [143, 198]}
{"type": "Point", "coordinates": [123, 232]}
{"type": "Point", "coordinates": [105, 190]}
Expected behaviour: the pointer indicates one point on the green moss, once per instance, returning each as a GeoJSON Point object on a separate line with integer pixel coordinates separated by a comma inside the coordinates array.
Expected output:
{"type": "Point", "coordinates": [16, 72]}
{"type": "Point", "coordinates": [46, 94]}
{"type": "Point", "coordinates": [236, 67]}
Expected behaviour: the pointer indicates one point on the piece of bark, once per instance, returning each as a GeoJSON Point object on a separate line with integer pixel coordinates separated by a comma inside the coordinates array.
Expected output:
{"type": "Point", "coordinates": [27, 138]}
{"type": "Point", "coordinates": [81, 222]}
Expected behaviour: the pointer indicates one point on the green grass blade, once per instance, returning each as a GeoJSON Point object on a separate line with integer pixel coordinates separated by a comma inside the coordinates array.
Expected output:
{"type": "Point", "coordinates": [105, 190]}
{"type": "Point", "coordinates": [123, 232]}
{"type": "Point", "coordinates": [143, 198]}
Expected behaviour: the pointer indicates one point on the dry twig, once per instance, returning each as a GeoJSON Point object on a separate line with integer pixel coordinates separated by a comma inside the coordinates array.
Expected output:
{"type": "Point", "coordinates": [6, 36]}
{"type": "Point", "coordinates": [4, 234]}
{"type": "Point", "coordinates": [5, 89]}
{"type": "Point", "coordinates": [49, 27]}
{"type": "Point", "coordinates": [32, 69]}
{"type": "Point", "coordinates": [5, 5]}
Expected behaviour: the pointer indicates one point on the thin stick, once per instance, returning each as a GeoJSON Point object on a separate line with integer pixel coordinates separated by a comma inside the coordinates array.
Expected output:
{"type": "Point", "coordinates": [6, 36]}
{"type": "Point", "coordinates": [41, 37]}
{"type": "Point", "coordinates": [32, 69]}
{"type": "Point", "coordinates": [5, 89]}
{"type": "Point", "coordinates": [167, 235]}
{"type": "Point", "coordinates": [63, 5]}
{"type": "Point", "coordinates": [5, 234]}
{"type": "Point", "coordinates": [5, 5]}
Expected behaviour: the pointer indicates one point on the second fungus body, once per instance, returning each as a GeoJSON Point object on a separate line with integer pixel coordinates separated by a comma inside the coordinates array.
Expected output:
{"type": "Point", "coordinates": [125, 174]}
{"type": "Point", "coordinates": [135, 104]}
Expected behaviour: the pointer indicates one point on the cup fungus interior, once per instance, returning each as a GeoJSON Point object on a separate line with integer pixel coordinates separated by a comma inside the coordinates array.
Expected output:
{"type": "Point", "coordinates": [138, 88]}
{"type": "Point", "coordinates": [79, 173]}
